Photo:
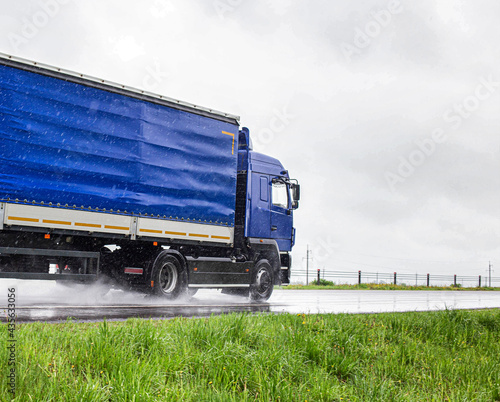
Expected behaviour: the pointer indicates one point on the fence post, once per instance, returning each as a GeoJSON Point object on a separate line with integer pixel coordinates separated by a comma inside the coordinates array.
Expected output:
{"type": "Point", "coordinates": [319, 281]}
{"type": "Point", "coordinates": [428, 280]}
{"type": "Point", "coordinates": [479, 280]}
{"type": "Point", "coordinates": [455, 280]}
{"type": "Point", "coordinates": [395, 278]}
{"type": "Point", "coordinates": [359, 277]}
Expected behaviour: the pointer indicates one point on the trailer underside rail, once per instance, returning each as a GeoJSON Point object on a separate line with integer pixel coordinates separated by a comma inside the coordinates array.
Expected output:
{"type": "Point", "coordinates": [51, 277]}
{"type": "Point", "coordinates": [47, 264]}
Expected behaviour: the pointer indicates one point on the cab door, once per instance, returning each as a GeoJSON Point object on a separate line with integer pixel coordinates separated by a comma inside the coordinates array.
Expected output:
{"type": "Point", "coordinates": [259, 222]}
{"type": "Point", "coordinates": [281, 215]}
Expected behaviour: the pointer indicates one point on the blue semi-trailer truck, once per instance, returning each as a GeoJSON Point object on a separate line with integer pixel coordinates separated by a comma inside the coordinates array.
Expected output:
{"type": "Point", "coordinates": [101, 180]}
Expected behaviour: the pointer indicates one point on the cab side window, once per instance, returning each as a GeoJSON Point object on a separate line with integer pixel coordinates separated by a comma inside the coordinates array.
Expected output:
{"type": "Point", "coordinates": [280, 194]}
{"type": "Point", "coordinates": [263, 188]}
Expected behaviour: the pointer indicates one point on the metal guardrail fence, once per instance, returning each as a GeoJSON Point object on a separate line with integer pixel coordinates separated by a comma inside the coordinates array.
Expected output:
{"type": "Point", "coordinates": [359, 277]}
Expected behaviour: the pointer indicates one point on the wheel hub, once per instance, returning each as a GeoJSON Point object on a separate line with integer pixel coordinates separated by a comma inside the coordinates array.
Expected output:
{"type": "Point", "coordinates": [168, 278]}
{"type": "Point", "coordinates": [263, 281]}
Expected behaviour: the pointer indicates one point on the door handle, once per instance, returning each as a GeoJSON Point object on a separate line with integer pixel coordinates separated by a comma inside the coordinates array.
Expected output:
{"type": "Point", "coordinates": [274, 228]}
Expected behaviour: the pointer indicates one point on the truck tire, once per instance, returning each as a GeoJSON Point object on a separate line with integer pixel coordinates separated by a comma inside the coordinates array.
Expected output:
{"type": "Point", "coordinates": [262, 285]}
{"type": "Point", "coordinates": [169, 277]}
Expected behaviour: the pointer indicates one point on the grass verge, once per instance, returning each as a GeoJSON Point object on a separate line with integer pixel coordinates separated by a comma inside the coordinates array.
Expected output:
{"type": "Point", "coordinates": [448, 355]}
{"type": "Point", "coordinates": [327, 285]}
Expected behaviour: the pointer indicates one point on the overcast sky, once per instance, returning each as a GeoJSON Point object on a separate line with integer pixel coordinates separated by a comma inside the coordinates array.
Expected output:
{"type": "Point", "coordinates": [386, 112]}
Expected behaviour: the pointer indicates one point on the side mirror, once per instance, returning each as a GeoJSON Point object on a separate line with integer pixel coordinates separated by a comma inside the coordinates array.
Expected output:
{"type": "Point", "coordinates": [296, 192]}
{"type": "Point", "coordinates": [295, 195]}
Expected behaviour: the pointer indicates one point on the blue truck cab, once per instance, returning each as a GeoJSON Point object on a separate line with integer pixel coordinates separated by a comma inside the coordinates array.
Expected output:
{"type": "Point", "coordinates": [270, 202]}
{"type": "Point", "coordinates": [270, 199]}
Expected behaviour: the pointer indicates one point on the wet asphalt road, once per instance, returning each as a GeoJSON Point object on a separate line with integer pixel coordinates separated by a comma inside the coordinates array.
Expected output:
{"type": "Point", "coordinates": [51, 302]}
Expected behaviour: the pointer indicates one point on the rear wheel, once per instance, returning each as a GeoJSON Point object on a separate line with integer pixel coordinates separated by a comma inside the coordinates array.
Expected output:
{"type": "Point", "coordinates": [169, 277]}
{"type": "Point", "coordinates": [262, 286]}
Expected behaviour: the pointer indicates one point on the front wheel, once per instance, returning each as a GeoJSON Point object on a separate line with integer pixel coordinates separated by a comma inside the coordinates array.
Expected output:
{"type": "Point", "coordinates": [169, 277]}
{"type": "Point", "coordinates": [262, 286]}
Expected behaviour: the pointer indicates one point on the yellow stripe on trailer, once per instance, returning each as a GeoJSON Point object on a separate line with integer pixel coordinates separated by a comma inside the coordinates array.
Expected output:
{"type": "Point", "coordinates": [116, 227]}
{"type": "Point", "coordinates": [20, 219]}
{"type": "Point", "coordinates": [87, 225]}
{"type": "Point", "coordinates": [199, 235]}
{"type": "Point", "coordinates": [151, 231]}
{"type": "Point", "coordinates": [232, 135]}
{"type": "Point", "coordinates": [175, 233]}
{"type": "Point", "coordinates": [53, 222]}
{"type": "Point", "coordinates": [221, 237]}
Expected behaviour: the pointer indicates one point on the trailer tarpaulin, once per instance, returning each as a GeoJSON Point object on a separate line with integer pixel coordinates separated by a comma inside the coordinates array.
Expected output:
{"type": "Point", "coordinates": [76, 145]}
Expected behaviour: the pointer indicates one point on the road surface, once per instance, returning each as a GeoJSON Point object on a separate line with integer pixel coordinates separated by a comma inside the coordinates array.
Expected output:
{"type": "Point", "coordinates": [51, 302]}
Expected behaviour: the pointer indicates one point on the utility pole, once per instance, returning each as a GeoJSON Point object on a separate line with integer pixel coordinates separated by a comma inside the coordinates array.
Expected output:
{"type": "Point", "coordinates": [490, 272]}
{"type": "Point", "coordinates": [307, 266]}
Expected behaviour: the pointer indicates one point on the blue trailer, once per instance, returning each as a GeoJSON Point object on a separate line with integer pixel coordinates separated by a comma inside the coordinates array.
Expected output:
{"type": "Point", "coordinates": [99, 179]}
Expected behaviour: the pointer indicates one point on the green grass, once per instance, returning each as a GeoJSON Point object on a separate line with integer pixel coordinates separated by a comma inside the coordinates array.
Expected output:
{"type": "Point", "coordinates": [327, 285]}
{"type": "Point", "coordinates": [450, 355]}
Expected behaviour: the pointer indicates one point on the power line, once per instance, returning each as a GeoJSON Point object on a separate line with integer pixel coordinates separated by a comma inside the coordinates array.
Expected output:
{"type": "Point", "coordinates": [363, 264]}
{"type": "Point", "coordinates": [409, 260]}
